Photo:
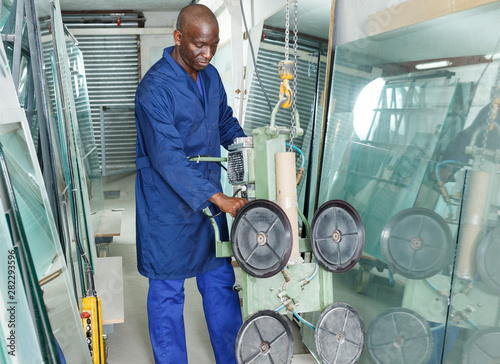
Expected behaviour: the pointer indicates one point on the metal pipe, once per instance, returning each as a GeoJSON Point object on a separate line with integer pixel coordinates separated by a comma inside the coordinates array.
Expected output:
{"type": "Point", "coordinates": [103, 140]}
{"type": "Point", "coordinates": [475, 202]}
{"type": "Point", "coordinates": [207, 159]}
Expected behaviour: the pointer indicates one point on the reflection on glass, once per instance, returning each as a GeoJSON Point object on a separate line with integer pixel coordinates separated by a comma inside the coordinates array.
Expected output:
{"type": "Point", "coordinates": [85, 131]}
{"type": "Point", "coordinates": [391, 145]}
{"type": "Point", "coordinates": [69, 124]}
{"type": "Point", "coordinates": [417, 153]}
{"type": "Point", "coordinates": [26, 347]}
{"type": "Point", "coordinates": [47, 256]}
{"type": "Point", "coordinates": [39, 227]}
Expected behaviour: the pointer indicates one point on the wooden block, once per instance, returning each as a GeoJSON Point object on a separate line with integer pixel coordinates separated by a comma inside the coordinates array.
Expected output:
{"type": "Point", "coordinates": [109, 287]}
{"type": "Point", "coordinates": [111, 224]}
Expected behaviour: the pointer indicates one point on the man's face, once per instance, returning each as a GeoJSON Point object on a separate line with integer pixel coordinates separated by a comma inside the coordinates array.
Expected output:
{"type": "Point", "coordinates": [197, 45]}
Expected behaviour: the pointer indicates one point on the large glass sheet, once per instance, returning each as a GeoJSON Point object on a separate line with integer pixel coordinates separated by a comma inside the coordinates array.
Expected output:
{"type": "Point", "coordinates": [17, 329]}
{"type": "Point", "coordinates": [85, 133]}
{"type": "Point", "coordinates": [382, 151]}
{"type": "Point", "coordinates": [72, 147]}
{"type": "Point", "coordinates": [67, 113]}
{"type": "Point", "coordinates": [39, 227]}
{"type": "Point", "coordinates": [405, 145]}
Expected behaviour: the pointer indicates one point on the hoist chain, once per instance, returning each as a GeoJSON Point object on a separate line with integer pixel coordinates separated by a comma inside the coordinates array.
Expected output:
{"type": "Point", "coordinates": [491, 112]}
{"type": "Point", "coordinates": [287, 29]}
{"type": "Point", "coordinates": [295, 60]}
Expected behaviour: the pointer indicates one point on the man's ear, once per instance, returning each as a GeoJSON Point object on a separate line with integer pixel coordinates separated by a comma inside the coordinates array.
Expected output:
{"type": "Point", "coordinates": [177, 37]}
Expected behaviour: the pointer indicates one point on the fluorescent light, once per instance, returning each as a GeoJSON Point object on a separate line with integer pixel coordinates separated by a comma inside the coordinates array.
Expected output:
{"type": "Point", "coordinates": [427, 66]}
{"type": "Point", "coordinates": [493, 57]}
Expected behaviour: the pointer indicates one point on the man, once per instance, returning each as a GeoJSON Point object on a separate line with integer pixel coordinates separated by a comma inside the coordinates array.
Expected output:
{"type": "Point", "coordinates": [181, 110]}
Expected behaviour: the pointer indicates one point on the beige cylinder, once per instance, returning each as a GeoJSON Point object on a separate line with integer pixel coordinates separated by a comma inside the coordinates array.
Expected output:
{"type": "Point", "coordinates": [476, 196]}
{"type": "Point", "coordinates": [286, 197]}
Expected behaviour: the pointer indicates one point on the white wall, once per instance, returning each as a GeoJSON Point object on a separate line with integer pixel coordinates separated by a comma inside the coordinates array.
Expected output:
{"type": "Point", "coordinates": [152, 45]}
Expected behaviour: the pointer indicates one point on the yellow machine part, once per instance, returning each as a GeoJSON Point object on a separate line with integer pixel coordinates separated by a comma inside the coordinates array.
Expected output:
{"type": "Point", "coordinates": [91, 316]}
{"type": "Point", "coordinates": [285, 69]}
{"type": "Point", "coordinates": [286, 92]}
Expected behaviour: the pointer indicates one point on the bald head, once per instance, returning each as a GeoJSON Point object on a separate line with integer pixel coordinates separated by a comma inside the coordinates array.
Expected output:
{"type": "Point", "coordinates": [196, 38]}
{"type": "Point", "coordinates": [193, 14]}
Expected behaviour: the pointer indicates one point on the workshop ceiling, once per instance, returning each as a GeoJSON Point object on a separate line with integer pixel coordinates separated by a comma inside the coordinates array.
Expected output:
{"type": "Point", "coordinates": [141, 5]}
{"type": "Point", "coordinates": [314, 15]}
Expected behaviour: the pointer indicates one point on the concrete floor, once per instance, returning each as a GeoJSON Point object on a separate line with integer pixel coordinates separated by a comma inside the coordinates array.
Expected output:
{"type": "Point", "coordinates": [130, 341]}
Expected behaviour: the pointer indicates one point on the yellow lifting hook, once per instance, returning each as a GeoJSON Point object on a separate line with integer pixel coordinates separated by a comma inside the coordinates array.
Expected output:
{"type": "Point", "coordinates": [285, 69]}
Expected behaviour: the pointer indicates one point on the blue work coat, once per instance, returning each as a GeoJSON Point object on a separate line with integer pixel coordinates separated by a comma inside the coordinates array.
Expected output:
{"type": "Point", "coordinates": [175, 240]}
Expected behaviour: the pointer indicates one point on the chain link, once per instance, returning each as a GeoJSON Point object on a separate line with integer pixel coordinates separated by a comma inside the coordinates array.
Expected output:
{"type": "Point", "coordinates": [287, 29]}
{"type": "Point", "coordinates": [295, 60]}
{"type": "Point", "coordinates": [489, 119]}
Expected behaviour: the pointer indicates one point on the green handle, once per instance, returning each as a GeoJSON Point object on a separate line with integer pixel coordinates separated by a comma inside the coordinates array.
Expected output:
{"type": "Point", "coordinates": [207, 212]}
{"type": "Point", "coordinates": [207, 159]}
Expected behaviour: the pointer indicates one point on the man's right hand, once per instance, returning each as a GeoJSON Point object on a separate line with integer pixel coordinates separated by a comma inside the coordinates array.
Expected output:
{"type": "Point", "coordinates": [231, 205]}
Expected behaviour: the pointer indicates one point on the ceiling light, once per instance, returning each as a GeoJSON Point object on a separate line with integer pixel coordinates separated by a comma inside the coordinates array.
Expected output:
{"type": "Point", "coordinates": [430, 65]}
{"type": "Point", "coordinates": [493, 57]}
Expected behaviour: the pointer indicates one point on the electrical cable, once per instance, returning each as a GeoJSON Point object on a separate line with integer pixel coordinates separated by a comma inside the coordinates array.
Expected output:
{"type": "Point", "coordinates": [315, 273]}
{"type": "Point", "coordinates": [435, 328]}
{"type": "Point", "coordinates": [473, 324]}
{"type": "Point", "coordinates": [303, 321]}
{"type": "Point", "coordinates": [280, 308]}
{"type": "Point", "coordinates": [432, 286]}
{"type": "Point", "coordinates": [302, 156]}
{"type": "Point", "coordinates": [222, 166]}
{"type": "Point", "coordinates": [446, 162]}
{"type": "Point", "coordinates": [253, 57]}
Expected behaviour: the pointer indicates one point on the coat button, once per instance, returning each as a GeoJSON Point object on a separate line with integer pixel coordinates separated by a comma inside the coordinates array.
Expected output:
{"type": "Point", "coordinates": [209, 171]}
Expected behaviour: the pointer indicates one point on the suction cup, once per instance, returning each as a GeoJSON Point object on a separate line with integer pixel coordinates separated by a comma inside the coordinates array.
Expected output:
{"type": "Point", "coordinates": [483, 347]}
{"type": "Point", "coordinates": [261, 238]}
{"type": "Point", "coordinates": [487, 259]}
{"type": "Point", "coordinates": [399, 336]}
{"type": "Point", "coordinates": [340, 335]}
{"type": "Point", "coordinates": [416, 243]}
{"type": "Point", "coordinates": [266, 337]}
{"type": "Point", "coordinates": [337, 236]}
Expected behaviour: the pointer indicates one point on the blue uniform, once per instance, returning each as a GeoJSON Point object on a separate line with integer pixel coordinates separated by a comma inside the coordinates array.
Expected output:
{"type": "Point", "coordinates": [175, 240]}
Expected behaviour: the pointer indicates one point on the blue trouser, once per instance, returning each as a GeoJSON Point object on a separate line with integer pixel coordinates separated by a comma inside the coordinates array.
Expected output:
{"type": "Point", "coordinates": [438, 339]}
{"type": "Point", "coordinates": [222, 313]}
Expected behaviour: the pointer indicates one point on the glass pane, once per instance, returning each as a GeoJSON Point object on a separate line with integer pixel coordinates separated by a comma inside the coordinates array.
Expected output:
{"type": "Point", "coordinates": [405, 145]}
{"type": "Point", "coordinates": [377, 156]}
{"type": "Point", "coordinates": [85, 131]}
{"type": "Point", "coordinates": [69, 118]}
{"type": "Point", "coordinates": [39, 227]}
{"type": "Point", "coordinates": [17, 325]}
{"type": "Point", "coordinates": [67, 136]}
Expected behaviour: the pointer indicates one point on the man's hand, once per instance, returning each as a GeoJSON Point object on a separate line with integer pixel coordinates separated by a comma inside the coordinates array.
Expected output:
{"type": "Point", "coordinates": [231, 205]}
